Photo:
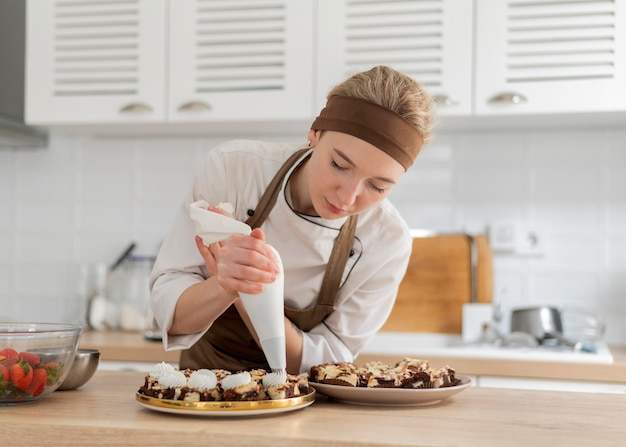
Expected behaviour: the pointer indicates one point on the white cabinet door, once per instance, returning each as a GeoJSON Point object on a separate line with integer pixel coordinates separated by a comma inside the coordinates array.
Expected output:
{"type": "Point", "coordinates": [95, 62]}
{"type": "Point", "coordinates": [240, 60]}
{"type": "Point", "coordinates": [429, 40]}
{"type": "Point", "coordinates": [550, 57]}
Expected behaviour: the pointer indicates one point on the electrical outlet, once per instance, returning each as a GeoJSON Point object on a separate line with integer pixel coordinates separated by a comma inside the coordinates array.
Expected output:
{"type": "Point", "coordinates": [531, 242]}
{"type": "Point", "coordinates": [503, 236]}
{"type": "Point", "coordinates": [507, 236]}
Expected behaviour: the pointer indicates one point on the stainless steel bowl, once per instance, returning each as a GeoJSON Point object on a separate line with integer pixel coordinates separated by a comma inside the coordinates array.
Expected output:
{"type": "Point", "coordinates": [542, 322]}
{"type": "Point", "coordinates": [84, 367]}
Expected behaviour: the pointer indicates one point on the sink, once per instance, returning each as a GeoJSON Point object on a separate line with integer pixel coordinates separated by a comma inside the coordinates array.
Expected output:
{"type": "Point", "coordinates": [425, 345]}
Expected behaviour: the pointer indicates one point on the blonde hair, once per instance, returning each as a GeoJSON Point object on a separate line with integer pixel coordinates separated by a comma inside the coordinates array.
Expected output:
{"type": "Point", "coordinates": [395, 91]}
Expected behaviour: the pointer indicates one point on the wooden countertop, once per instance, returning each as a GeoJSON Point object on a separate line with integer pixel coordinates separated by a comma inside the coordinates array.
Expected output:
{"type": "Point", "coordinates": [127, 347]}
{"type": "Point", "coordinates": [133, 347]}
{"type": "Point", "coordinates": [104, 413]}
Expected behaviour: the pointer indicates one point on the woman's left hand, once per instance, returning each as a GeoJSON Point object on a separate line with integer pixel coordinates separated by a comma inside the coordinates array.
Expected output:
{"type": "Point", "coordinates": [209, 253]}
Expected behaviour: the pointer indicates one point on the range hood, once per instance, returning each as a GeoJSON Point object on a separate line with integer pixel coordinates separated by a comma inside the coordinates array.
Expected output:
{"type": "Point", "coordinates": [14, 133]}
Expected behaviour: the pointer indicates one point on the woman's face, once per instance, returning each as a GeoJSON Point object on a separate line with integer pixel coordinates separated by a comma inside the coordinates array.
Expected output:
{"type": "Point", "coordinates": [346, 175]}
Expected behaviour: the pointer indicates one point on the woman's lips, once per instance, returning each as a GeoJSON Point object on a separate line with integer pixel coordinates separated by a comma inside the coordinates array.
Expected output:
{"type": "Point", "coordinates": [333, 209]}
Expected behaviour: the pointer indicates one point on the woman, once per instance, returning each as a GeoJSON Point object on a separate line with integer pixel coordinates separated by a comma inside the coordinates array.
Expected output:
{"type": "Point", "coordinates": [344, 247]}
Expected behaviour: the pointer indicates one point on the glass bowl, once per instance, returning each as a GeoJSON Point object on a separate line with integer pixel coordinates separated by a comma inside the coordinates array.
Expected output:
{"type": "Point", "coordinates": [35, 358]}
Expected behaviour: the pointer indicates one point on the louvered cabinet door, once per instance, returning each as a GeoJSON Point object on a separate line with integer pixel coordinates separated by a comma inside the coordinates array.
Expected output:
{"type": "Point", "coordinates": [559, 56]}
{"type": "Point", "coordinates": [430, 40]}
{"type": "Point", "coordinates": [91, 61]}
{"type": "Point", "coordinates": [239, 60]}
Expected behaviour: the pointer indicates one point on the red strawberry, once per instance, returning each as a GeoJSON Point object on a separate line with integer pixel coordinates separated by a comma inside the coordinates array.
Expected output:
{"type": "Point", "coordinates": [4, 374]}
{"type": "Point", "coordinates": [8, 353]}
{"type": "Point", "coordinates": [31, 358]}
{"type": "Point", "coordinates": [21, 375]}
{"type": "Point", "coordinates": [54, 372]}
{"type": "Point", "coordinates": [8, 362]}
{"type": "Point", "coordinates": [40, 377]}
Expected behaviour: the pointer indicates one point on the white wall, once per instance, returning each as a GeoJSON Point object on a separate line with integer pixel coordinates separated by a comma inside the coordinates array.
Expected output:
{"type": "Point", "coordinates": [82, 200]}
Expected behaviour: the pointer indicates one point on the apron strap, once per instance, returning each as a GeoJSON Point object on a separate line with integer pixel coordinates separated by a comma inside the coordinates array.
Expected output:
{"type": "Point", "coordinates": [268, 199]}
{"type": "Point", "coordinates": [338, 257]}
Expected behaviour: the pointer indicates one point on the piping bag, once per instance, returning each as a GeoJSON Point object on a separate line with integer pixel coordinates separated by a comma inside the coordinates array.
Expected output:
{"type": "Point", "coordinates": [265, 309]}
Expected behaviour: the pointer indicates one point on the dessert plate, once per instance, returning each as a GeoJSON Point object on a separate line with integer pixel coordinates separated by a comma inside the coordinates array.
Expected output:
{"type": "Point", "coordinates": [225, 408]}
{"type": "Point", "coordinates": [390, 396]}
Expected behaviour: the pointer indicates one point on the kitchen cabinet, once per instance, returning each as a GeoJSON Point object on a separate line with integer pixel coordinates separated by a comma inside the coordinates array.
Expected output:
{"type": "Point", "coordinates": [550, 57]}
{"type": "Point", "coordinates": [240, 60]}
{"type": "Point", "coordinates": [95, 62]}
{"type": "Point", "coordinates": [156, 61]}
{"type": "Point", "coordinates": [429, 40]}
{"type": "Point", "coordinates": [486, 57]}
{"type": "Point", "coordinates": [572, 386]}
{"type": "Point", "coordinates": [245, 62]}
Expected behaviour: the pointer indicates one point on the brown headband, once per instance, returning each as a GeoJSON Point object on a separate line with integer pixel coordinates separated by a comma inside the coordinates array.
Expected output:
{"type": "Point", "coordinates": [375, 124]}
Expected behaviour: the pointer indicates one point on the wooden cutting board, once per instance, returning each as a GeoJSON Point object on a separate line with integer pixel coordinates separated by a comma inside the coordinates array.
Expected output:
{"type": "Point", "coordinates": [444, 272]}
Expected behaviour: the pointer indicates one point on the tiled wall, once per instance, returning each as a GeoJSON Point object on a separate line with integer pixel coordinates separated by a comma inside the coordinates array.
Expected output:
{"type": "Point", "coordinates": [83, 200]}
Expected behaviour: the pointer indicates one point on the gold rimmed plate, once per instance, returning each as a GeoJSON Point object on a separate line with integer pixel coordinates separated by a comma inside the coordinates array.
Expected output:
{"type": "Point", "coordinates": [225, 408]}
{"type": "Point", "coordinates": [390, 396]}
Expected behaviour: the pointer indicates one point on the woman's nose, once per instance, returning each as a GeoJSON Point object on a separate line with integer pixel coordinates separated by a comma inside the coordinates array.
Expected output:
{"type": "Point", "coordinates": [348, 192]}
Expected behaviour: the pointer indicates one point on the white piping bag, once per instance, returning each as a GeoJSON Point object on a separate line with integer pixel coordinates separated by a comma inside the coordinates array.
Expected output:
{"type": "Point", "coordinates": [214, 227]}
{"type": "Point", "coordinates": [265, 309]}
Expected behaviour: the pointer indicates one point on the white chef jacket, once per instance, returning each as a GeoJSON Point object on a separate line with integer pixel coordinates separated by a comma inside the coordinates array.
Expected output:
{"type": "Point", "coordinates": [238, 172]}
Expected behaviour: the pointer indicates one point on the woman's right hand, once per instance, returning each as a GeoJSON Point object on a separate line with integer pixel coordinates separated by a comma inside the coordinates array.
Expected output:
{"type": "Point", "coordinates": [240, 263]}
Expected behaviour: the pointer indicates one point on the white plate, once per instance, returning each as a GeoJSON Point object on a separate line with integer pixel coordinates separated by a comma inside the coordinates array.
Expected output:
{"type": "Point", "coordinates": [390, 396]}
{"type": "Point", "coordinates": [225, 408]}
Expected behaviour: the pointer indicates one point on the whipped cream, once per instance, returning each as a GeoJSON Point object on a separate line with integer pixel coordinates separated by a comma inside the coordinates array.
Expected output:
{"type": "Point", "coordinates": [161, 369]}
{"type": "Point", "coordinates": [202, 379]}
{"type": "Point", "coordinates": [236, 380]}
{"type": "Point", "coordinates": [273, 379]}
{"type": "Point", "coordinates": [173, 379]}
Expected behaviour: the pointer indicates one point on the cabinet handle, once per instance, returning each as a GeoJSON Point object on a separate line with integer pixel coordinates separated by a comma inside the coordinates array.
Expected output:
{"type": "Point", "coordinates": [445, 100]}
{"type": "Point", "coordinates": [507, 98]}
{"type": "Point", "coordinates": [136, 108]}
{"type": "Point", "coordinates": [194, 106]}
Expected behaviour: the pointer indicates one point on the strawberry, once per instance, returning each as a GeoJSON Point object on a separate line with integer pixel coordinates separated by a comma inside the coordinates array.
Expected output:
{"type": "Point", "coordinates": [21, 375]}
{"type": "Point", "coordinates": [54, 372]}
{"type": "Point", "coordinates": [4, 375]}
{"type": "Point", "coordinates": [8, 362]}
{"type": "Point", "coordinates": [8, 353]}
{"type": "Point", "coordinates": [31, 358]}
{"type": "Point", "coordinates": [40, 377]}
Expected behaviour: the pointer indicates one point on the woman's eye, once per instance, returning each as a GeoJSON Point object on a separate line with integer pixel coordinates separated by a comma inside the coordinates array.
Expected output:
{"type": "Point", "coordinates": [335, 165]}
{"type": "Point", "coordinates": [377, 189]}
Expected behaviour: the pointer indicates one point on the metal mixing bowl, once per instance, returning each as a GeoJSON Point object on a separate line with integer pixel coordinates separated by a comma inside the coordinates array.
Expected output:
{"type": "Point", "coordinates": [85, 365]}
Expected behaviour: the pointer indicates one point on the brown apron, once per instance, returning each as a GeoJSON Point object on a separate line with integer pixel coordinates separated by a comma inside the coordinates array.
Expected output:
{"type": "Point", "coordinates": [228, 344]}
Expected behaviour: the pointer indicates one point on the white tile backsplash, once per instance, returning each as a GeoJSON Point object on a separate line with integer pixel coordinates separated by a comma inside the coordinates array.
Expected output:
{"type": "Point", "coordinates": [569, 184]}
{"type": "Point", "coordinates": [616, 181]}
{"type": "Point", "coordinates": [82, 200]}
{"type": "Point", "coordinates": [566, 147]}
{"type": "Point", "coordinates": [46, 216]}
{"type": "Point", "coordinates": [584, 216]}
{"type": "Point", "coordinates": [490, 182]}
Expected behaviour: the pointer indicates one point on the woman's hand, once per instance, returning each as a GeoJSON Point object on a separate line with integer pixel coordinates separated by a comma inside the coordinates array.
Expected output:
{"type": "Point", "coordinates": [240, 263]}
{"type": "Point", "coordinates": [209, 252]}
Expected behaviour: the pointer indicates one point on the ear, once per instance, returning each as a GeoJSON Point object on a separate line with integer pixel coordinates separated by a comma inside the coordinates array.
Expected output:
{"type": "Point", "coordinates": [314, 136]}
